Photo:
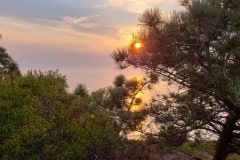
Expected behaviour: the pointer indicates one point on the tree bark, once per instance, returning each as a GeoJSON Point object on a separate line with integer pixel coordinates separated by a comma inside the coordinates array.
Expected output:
{"type": "Point", "coordinates": [222, 148]}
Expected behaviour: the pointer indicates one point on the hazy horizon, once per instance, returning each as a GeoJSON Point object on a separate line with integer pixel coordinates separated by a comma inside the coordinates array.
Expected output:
{"type": "Point", "coordinates": [75, 36]}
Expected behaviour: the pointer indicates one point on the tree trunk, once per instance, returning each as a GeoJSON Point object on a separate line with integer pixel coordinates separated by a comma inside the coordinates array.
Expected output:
{"type": "Point", "coordinates": [222, 148]}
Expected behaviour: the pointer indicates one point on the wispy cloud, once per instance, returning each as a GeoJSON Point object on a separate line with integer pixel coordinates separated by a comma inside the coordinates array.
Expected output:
{"type": "Point", "coordinates": [73, 15]}
{"type": "Point", "coordinates": [85, 22]}
{"type": "Point", "coordinates": [80, 25]}
{"type": "Point", "coordinates": [90, 24]}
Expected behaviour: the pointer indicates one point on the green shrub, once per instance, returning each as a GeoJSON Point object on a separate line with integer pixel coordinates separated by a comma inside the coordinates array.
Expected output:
{"type": "Point", "coordinates": [40, 120]}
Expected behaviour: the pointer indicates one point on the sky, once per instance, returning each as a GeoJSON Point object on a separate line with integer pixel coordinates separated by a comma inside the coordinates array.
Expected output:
{"type": "Point", "coordinates": [76, 37]}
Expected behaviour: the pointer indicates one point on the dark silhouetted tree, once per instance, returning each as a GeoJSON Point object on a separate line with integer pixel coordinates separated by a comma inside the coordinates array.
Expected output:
{"type": "Point", "coordinates": [198, 50]}
{"type": "Point", "coordinates": [81, 90]}
{"type": "Point", "coordinates": [123, 102]}
{"type": "Point", "coordinates": [7, 65]}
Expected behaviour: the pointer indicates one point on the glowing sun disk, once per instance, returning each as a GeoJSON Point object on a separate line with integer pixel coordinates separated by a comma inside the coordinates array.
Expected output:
{"type": "Point", "coordinates": [138, 45]}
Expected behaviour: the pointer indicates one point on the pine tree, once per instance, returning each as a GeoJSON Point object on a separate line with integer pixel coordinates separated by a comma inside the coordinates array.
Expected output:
{"type": "Point", "coordinates": [198, 49]}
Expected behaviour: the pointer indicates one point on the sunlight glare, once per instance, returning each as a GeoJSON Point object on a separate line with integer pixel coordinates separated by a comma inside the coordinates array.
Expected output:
{"type": "Point", "coordinates": [138, 107]}
{"type": "Point", "coordinates": [138, 45]}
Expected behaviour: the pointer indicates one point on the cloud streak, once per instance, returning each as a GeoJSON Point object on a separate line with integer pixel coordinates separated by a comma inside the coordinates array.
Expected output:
{"type": "Point", "coordinates": [91, 24]}
{"type": "Point", "coordinates": [85, 22]}
{"type": "Point", "coordinates": [75, 36]}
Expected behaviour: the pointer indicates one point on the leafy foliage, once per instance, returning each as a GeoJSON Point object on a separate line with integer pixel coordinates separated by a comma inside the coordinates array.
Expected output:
{"type": "Point", "coordinates": [40, 120]}
{"type": "Point", "coordinates": [7, 64]}
{"type": "Point", "coordinates": [81, 90]}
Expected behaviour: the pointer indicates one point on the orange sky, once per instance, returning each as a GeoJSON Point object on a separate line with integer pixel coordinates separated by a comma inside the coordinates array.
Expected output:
{"type": "Point", "coordinates": [74, 36]}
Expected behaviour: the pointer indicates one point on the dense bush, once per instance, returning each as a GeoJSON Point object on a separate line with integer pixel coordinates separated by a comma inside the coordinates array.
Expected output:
{"type": "Point", "coordinates": [40, 120]}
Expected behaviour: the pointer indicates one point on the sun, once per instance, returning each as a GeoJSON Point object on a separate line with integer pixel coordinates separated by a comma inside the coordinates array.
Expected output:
{"type": "Point", "coordinates": [138, 45]}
